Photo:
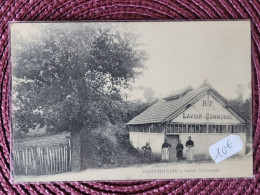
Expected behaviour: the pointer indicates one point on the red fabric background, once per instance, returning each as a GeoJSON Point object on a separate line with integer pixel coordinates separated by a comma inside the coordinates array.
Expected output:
{"type": "Point", "coordinates": [49, 10]}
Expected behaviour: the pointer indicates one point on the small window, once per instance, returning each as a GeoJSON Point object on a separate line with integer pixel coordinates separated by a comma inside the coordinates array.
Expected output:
{"type": "Point", "coordinates": [197, 128]}
{"type": "Point", "coordinates": [218, 128]}
{"type": "Point", "coordinates": [132, 129]}
{"type": "Point", "coordinates": [229, 129]}
{"type": "Point", "coordinates": [136, 128]}
{"type": "Point", "coordinates": [243, 128]}
{"type": "Point", "coordinates": [176, 128]}
{"type": "Point", "coordinates": [146, 128]}
{"type": "Point", "coordinates": [141, 128]}
{"type": "Point", "coordinates": [152, 129]}
{"type": "Point", "coordinates": [156, 128]}
{"type": "Point", "coordinates": [212, 128]}
{"type": "Point", "coordinates": [209, 129]}
{"type": "Point", "coordinates": [203, 128]}
{"type": "Point", "coordinates": [191, 128]}
{"type": "Point", "coordinates": [224, 128]}
{"type": "Point", "coordinates": [180, 128]}
{"type": "Point", "coordinates": [184, 128]}
{"type": "Point", "coordinates": [238, 129]}
{"type": "Point", "coordinates": [168, 128]}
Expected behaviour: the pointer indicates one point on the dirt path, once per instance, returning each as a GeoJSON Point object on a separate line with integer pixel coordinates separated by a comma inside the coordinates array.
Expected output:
{"type": "Point", "coordinates": [154, 171]}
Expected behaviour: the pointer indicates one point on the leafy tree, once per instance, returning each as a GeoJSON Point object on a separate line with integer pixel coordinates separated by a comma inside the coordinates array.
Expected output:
{"type": "Point", "coordinates": [243, 106]}
{"type": "Point", "coordinates": [67, 77]}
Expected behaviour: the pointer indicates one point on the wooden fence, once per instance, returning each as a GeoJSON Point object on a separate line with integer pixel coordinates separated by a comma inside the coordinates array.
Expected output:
{"type": "Point", "coordinates": [42, 160]}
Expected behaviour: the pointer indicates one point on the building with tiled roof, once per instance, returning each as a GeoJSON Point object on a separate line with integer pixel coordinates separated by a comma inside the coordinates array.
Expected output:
{"type": "Point", "coordinates": [201, 113]}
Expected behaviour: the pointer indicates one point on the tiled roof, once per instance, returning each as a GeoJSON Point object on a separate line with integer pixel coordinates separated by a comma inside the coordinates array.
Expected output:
{"type": "Point", "coordinates": [163, 108]}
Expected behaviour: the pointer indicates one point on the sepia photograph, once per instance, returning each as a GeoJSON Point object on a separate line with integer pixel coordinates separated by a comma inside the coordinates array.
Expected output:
{"type": "Point", "coordinates": [131, 100]}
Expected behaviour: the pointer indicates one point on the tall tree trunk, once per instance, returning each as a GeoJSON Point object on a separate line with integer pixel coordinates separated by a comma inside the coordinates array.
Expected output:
{"type": "Point", "coordinates": [75, 150]}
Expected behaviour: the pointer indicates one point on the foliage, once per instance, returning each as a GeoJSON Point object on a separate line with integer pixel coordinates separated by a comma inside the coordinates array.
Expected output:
{"type": "Point", "coordinates": [243, 106]}
{"type": "Point", "coordinates": [111, 148]}
{"type": "Point", "coordinates": [68, 77]}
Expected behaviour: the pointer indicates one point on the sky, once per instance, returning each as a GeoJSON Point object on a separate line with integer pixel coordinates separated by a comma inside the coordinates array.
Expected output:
{"type": "Point", "coordinates": [186, 53]}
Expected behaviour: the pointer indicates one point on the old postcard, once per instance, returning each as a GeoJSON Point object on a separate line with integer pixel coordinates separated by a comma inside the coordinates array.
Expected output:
{"type": "Point", "coordinates": [131, 100]}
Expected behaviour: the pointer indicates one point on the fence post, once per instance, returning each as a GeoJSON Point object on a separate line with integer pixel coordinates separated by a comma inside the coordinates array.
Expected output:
{"type": "Point", "coordinates": [42, 160]}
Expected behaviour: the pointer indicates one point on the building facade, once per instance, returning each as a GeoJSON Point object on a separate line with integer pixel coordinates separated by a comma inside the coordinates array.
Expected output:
{"type": "Point", "coordinates": [202, 113]}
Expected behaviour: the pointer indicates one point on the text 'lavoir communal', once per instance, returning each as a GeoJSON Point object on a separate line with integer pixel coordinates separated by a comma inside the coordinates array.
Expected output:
{"type": "Point", "coordinates": [206, 116]}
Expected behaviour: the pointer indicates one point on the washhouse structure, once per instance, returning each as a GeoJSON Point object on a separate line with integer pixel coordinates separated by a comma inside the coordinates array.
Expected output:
{"type": "Point", "coordinates": [201, 113]}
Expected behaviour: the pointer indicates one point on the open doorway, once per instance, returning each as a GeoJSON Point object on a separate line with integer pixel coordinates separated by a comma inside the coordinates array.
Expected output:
{"type": "Point", "coordinates": [173, 140]}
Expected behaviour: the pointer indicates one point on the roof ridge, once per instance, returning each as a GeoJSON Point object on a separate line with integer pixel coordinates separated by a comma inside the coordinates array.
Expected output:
{"type": "Point", "coordinates": [204, 89]}
{"type": "Point", "coordinates": [178, 93]}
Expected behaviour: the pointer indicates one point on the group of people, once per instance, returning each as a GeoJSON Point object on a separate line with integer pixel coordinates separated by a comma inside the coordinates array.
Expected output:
{"type": "Point", "coordinates": [165, 150]}
{"type": "Point", "coordinates": [189, 144]}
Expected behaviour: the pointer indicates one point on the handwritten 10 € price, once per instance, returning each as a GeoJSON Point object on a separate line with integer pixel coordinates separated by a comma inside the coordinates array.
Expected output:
{"type": "Point", "coordinates": [225, 148]}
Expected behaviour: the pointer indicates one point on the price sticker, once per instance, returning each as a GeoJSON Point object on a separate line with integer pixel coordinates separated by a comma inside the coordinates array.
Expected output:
{"type": "Point", "coordinates": [225, 148]}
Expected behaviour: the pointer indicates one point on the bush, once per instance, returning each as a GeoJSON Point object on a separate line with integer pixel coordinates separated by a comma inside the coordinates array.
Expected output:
{"type": "Point", "coordinates": [108, 147]}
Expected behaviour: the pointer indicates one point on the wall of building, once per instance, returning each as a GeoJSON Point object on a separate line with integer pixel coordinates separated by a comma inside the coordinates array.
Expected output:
{"type": "Point", "coordinates": [139, 139]}
{"type": "Point", "coordinates": [202, 142]}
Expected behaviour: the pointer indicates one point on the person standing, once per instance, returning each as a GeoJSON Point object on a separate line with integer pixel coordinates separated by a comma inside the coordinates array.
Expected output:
{"type": "Point", "coordinates": [189, 145]}
{"type": "Point", "coordinates": [147, 151]}
{"type": "Point", "coordinates": [179, 149]}
{"type": "Point", "coordinates": [165, 151]}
